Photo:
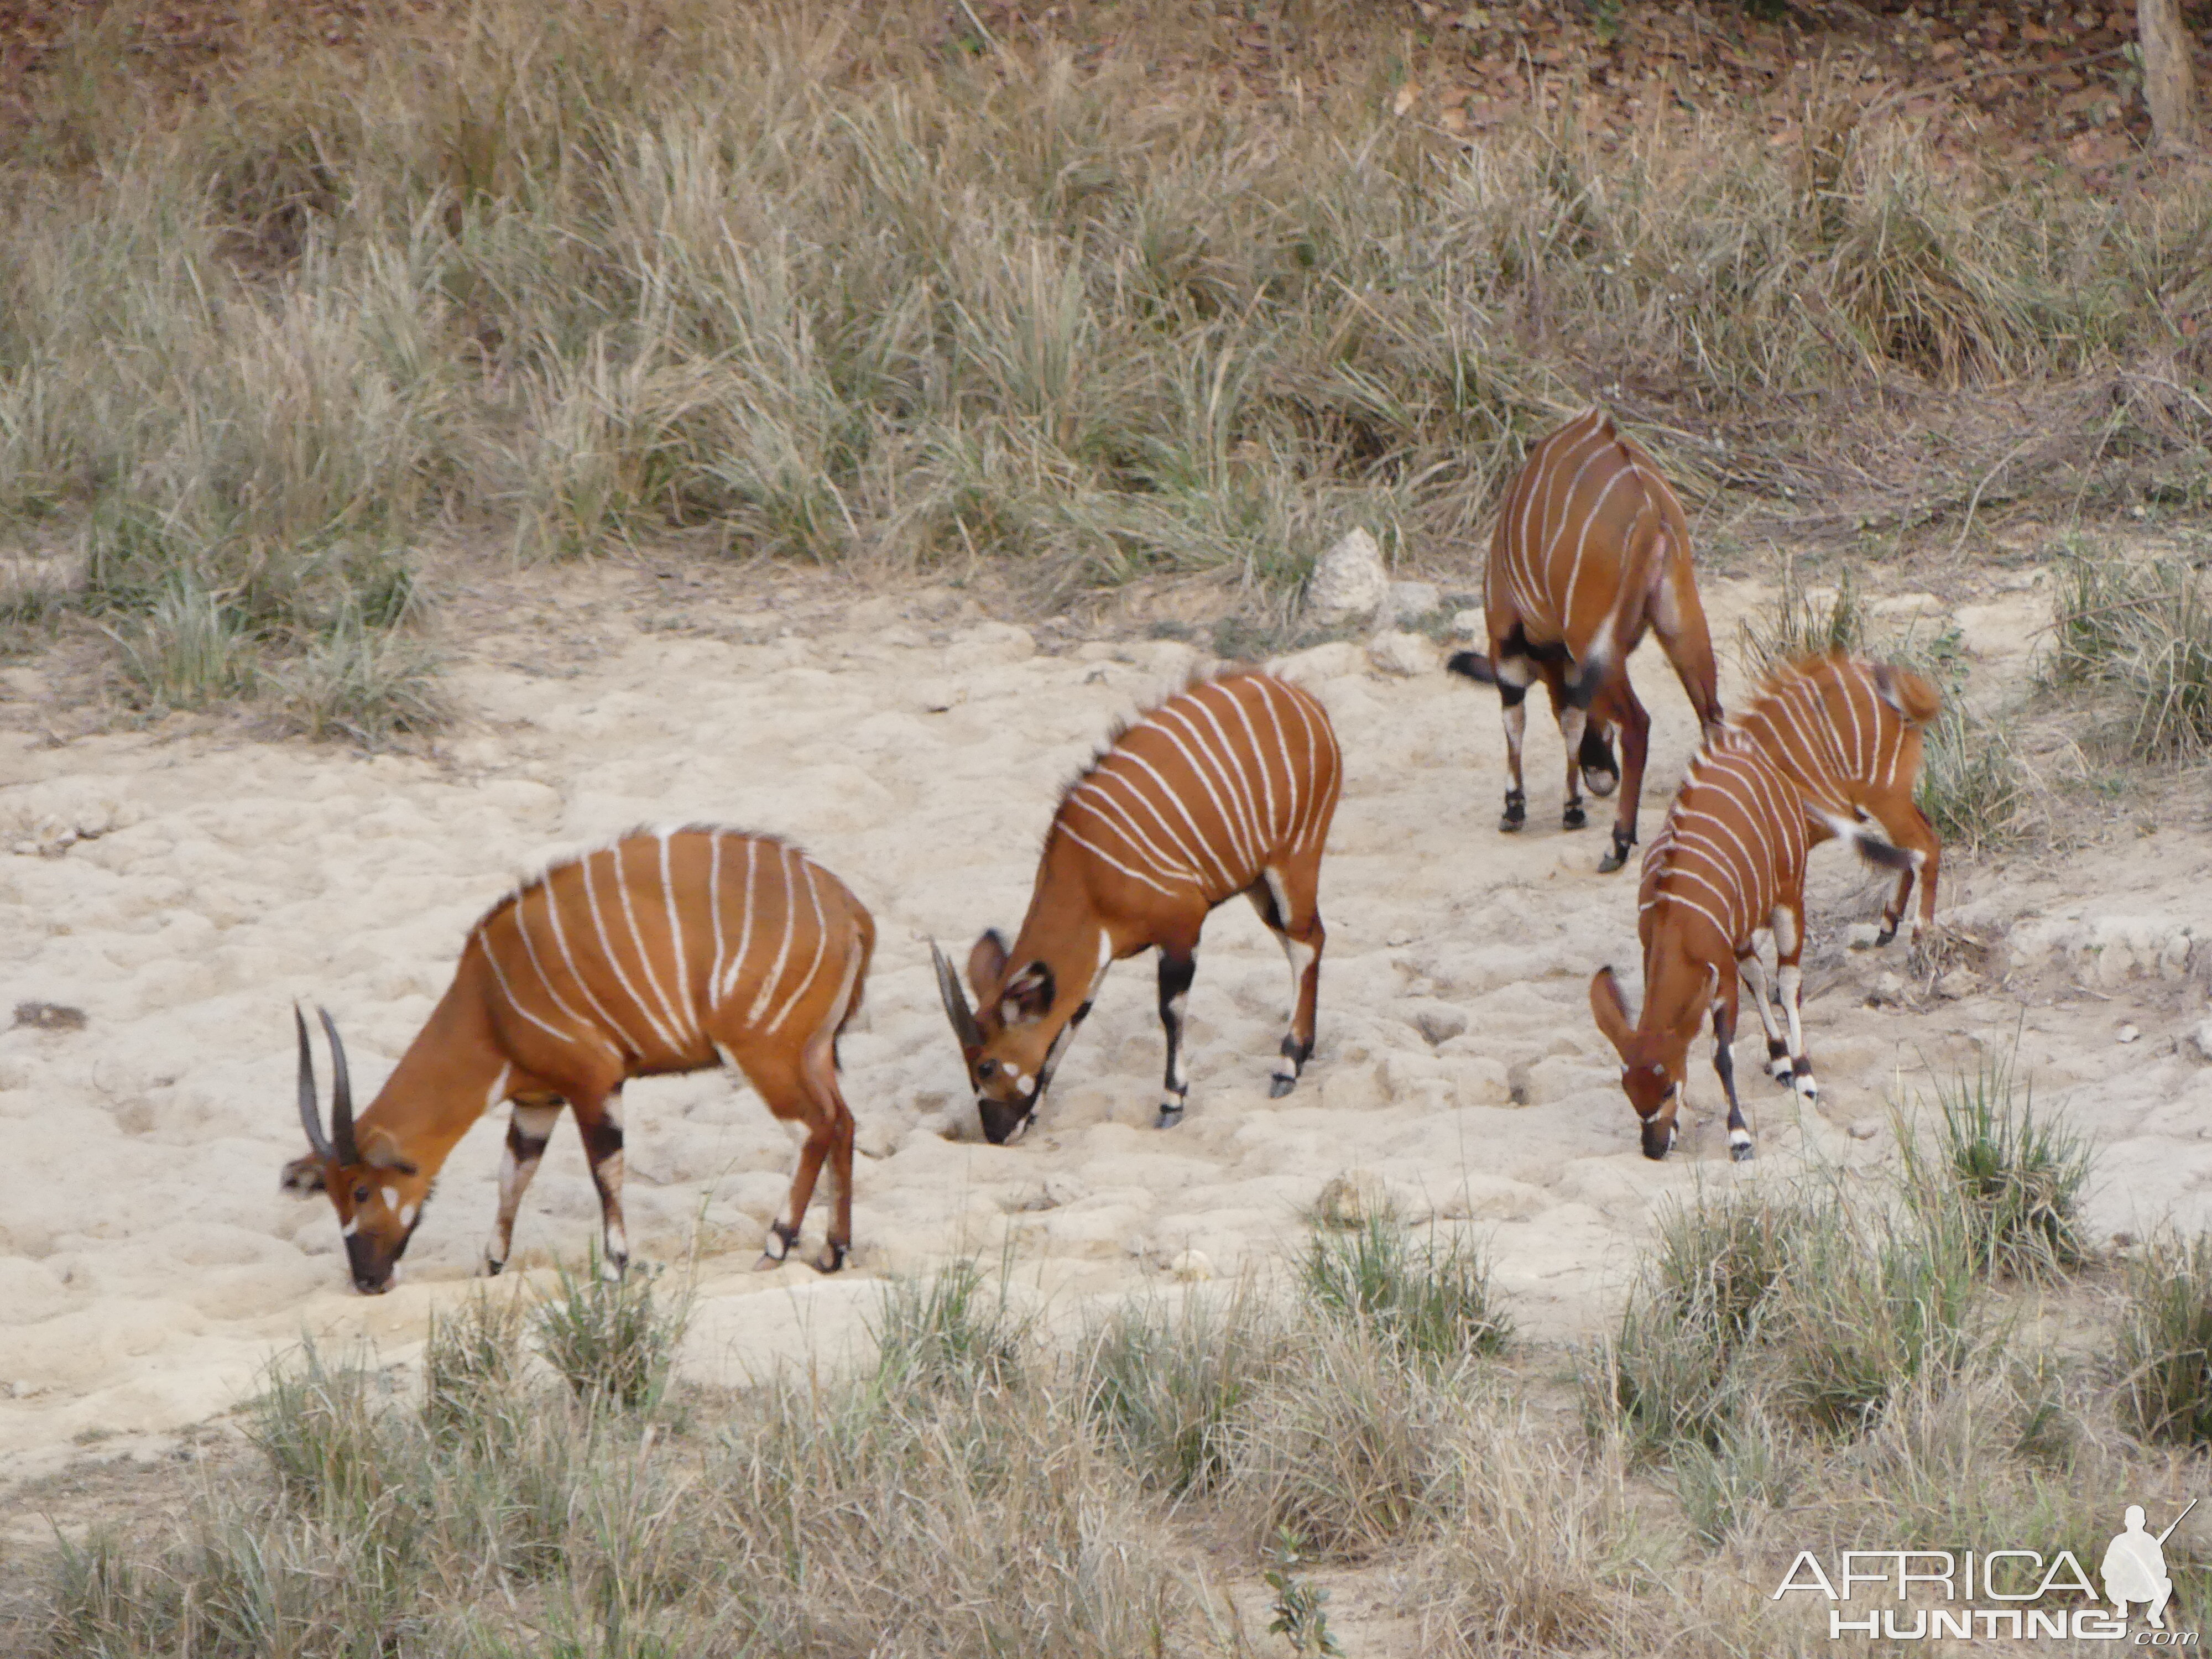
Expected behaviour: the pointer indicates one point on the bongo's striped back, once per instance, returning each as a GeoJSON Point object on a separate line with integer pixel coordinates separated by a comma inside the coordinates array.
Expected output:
{"type": "Point", "coordinates": [1585, 502]}
{"type": "Point", "coordinates": [1733, 845]}
{"type": "Point", "coordinates": [639, 948]}
{"type": "Point", "coordinates": [1199, 795]}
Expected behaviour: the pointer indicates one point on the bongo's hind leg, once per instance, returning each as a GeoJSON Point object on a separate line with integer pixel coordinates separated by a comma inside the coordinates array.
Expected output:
{"type": "Point", "coordinates": [1514, 674]}
{"type": "Point", "coordinates": [1286, 901]}
{"type": "Point", "coordinates": [1574, 722]}
{"type": "Point", "coordinates": [819, 1075]}
{"type": "Point", "coordinates": [1635, 748]}
{"type": "Point", "coordinates": [1601, 767]}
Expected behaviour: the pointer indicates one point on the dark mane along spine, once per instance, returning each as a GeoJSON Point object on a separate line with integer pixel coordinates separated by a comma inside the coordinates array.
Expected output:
{"type": "Point", "coordinates": [636, 832]}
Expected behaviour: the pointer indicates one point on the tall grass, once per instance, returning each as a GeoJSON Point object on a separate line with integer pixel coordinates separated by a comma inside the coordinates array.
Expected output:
{"type": "Point", "coordinates": [2166, 1341]}
{"type": "Point", "coordinates": [1429, 1298]}
{"type": "Point", "coordinates": [537, 276]}
{"type": "Point", "coordinates": [1802, 1309]}
{"type": "Point", "coordinates": [2012, 1179]}
{"type": "Point", "coordinates": [2143, 628]}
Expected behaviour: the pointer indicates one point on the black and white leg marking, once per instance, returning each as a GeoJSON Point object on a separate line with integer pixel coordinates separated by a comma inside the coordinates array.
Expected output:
{"type": "Point", "coordinates": [1788, 938]}
{"type": "Point", "coordinates": [1273, 905]}
{"type": "Point", "coordinates": [603, 1148]}
{"type": "Point", "coordinates": [1572, 722]}
{"type": "Point", "coordinates": [1514, 674]}
{"type": "Point", "coordinates": [1739, 1135]}
{"type": "Point", "coordinates": [1176, 975]}
{"type": "Point", "coordinates": [528, 1129]}
{"type": "Point", "coordinates": [1754, 970]}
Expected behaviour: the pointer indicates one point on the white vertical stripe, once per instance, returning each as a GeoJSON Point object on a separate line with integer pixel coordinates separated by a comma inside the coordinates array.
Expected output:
{"type": "Point", "coordinates": [821, 943]}
{"type": "Point", "coordinates": [560, 936]}
{"type": "Point", "coordinates": [774, 975]}
{"type": "Point", "coordinates": [606, 946]}
{"type": "Point", "coordinates": [681, 968]}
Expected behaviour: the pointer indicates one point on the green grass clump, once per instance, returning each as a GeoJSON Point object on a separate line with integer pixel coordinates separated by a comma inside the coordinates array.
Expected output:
{"type": "Point", "coordinates": [2012, 1179]}
{"type": "Point", "coordinates": [613, 1340]}
{"type": "Point", "coordinates": [2143, 629]}
{"type": "Point", "coordinates": [1973, 785]}
{"type": "Point", "coordinates": [1169, 1386]}
{"type": "Point", "coordinates": [954, 1330]}
{"type": "Point", "coordinates": [472, 1367]}
{"type": "Point", "coordinates": [1428, 1298]}
{"type": "Point", "coordinates": [1798, 1308]}
{"type": "Point", "coordinates": [2166, 1341]}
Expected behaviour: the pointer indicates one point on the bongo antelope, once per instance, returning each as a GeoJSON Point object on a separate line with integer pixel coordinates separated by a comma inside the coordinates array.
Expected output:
{"type": "Point", "coordinates": [670, 951]}
{"type": "Point", "coordinates": [1226, 788]}
{"type": "Point", "coordinates": [1590, 548]}
{"type": "Point", "coordinates": [1729, 862]}
{"type": "Point", "coordinates": [1848, 734]}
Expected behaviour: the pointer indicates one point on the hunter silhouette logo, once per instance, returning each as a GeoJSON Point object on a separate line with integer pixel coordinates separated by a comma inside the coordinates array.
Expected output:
{"type": "Point", "coordinates": [2134, 1569]}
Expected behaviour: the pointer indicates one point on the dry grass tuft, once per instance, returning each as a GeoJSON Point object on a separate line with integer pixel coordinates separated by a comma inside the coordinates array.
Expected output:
{"type": "Point", "coordinates": [536, 277]}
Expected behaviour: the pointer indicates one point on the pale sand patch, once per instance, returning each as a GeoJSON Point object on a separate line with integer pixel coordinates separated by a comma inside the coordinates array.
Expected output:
{"type": "Point", "coordinates": [149, 1265]}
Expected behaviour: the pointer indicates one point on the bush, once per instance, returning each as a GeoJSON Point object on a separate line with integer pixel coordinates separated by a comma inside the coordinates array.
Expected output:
{"type": "Point", "coordinates": [949, 1332]}
{"type": "Point", "coordinates": [2143, 628]}
{"type": "Point", "coordinates": [1345, 1446]}
{"type": "Point", "coordinates": [1169, 1386]}
{"type": "Point", "coordinates": [612, 1340]}
{"type": "Point", "coordinates": [540, 276]}
{"type": "Point", "coordinates": [2011, 1179]}
{"type": "Point", "coordinates": [2166, 1341]}
{"type": "Point", "coordinates": [472, 1368]}
{"type": "Point", "coordinates": [1973, 785]}
{"type": "Point", "coordinates": [1433, 1299]}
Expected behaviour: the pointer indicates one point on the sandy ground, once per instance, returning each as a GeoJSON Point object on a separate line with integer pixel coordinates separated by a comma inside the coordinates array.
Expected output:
{"type": "Point", "coordinates": [181, 889]}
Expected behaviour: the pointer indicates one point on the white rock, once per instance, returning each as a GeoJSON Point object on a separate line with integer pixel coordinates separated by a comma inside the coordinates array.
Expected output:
{"type": "Point", "coordinates": [1191, 1266]}
{"type": "Point", "coordinates": [1861, 935]}
{"type": "Point", "coordinates": [1348, 580]}
{"type": "Point", "coordinates": [1959, 983]}
{"type": "Point", "coordinates": [2128, 1034]}
{"type": "Point", "coordinates": [1470, 624]}
{"type": "Point", "coordinates": [1404, 601]}
{"type": "Point", "coordinates": [1888, 991]}
{"type": "Point", "coordinates": [1866, 1129]}
{"type": "Point", "coordinates": [2201, 1038]}
{"type": "Point", "coordinates": [1319, 662]}
{"type": "Point", "coordinates": [936, 697]}
{"type": "Point", "coordinates": [1405, 655]}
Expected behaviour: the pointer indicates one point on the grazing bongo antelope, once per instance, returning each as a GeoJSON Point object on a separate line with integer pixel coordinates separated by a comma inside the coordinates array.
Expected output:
{"type": "Point", "coordinates": [1848, 734]}
{"type": "Point", "coordinates": [668, 951]}
{"type": "Point", "coordinates": [1226, 788]}
{"type": "Point", "coordinates": [1589, 551]}
{"type": "Point", "coordinates": [1730, 861]}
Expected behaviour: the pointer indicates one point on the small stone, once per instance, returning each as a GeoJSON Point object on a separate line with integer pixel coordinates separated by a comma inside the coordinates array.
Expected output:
{"type": "Point", "coordinates": [1404, 655]}
{"type": "Point", "coordinates": [1470, 624]}
{"type": "Point", "coordinates": [1888, 992]}
{"type": "Point", "coordinates": [1861, 935]}
{"type": "Point", "coordinates": [2200, 1038]}
{"type": "Point", "coordinates": [936, 697]}
{"type": "Point", "coordinates": [1191, 1267]}
{"type": "Point", "coordinates": [1440, 1024]}
{"type": "Point", "coordinates": [1348, 581]}
{"type": "Point", "coordinates": [1398, 936]}
{"type": "Point", "coordinates": [1866, 1129]}
{"type": "Point", "coordinates": [2128, 1034]}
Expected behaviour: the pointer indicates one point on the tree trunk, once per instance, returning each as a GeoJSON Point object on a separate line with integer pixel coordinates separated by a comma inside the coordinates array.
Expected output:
{"type": "Point", "coordinates": [2168, 84]}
